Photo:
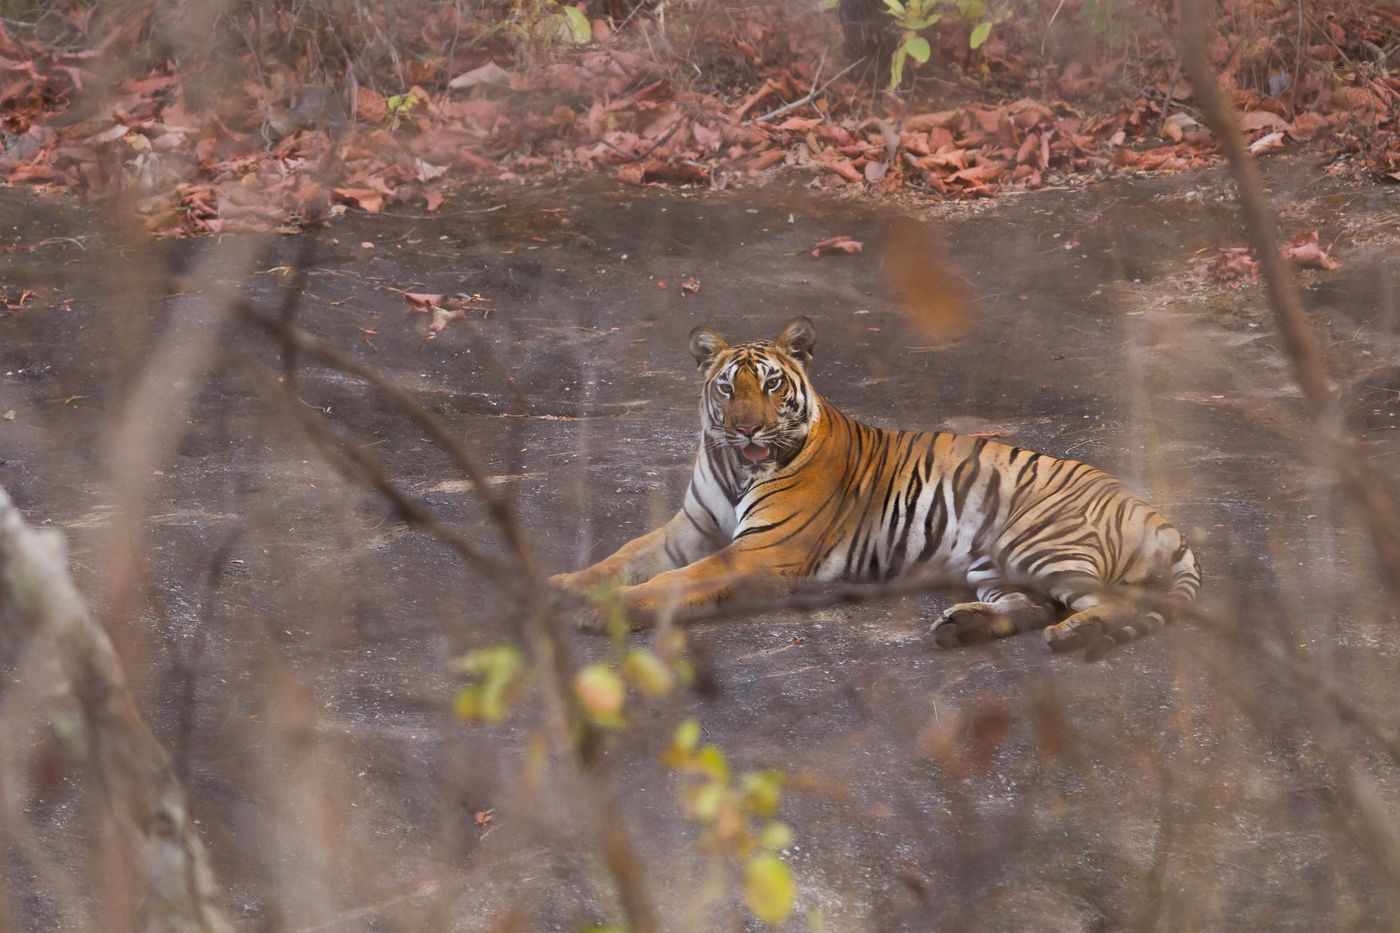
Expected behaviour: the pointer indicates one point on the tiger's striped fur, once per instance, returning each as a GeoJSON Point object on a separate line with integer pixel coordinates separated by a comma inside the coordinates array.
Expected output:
{"type": "Point", "coordinates": [785, 488]}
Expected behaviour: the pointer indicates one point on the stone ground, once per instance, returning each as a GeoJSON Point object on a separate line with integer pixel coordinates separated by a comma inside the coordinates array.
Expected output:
{"type": "Point", "coordinates": [293, 652]}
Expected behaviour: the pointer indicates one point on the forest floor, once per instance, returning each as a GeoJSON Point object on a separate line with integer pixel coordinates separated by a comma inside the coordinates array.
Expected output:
{"type": "Point", "coordinates": [922, 793]}
{"type": "Point", "coordinates": [282, 118]}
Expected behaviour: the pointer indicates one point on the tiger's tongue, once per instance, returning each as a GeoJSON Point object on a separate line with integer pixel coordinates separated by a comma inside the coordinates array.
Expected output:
{"type": "Point", "coordinates": [754, 453]}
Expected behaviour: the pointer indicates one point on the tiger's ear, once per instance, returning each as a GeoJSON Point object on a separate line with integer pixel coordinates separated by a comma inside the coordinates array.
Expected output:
{"type": "Point", "coordinates": [798, 338]}
{"type": "Point", "coordinates": [705, 342]}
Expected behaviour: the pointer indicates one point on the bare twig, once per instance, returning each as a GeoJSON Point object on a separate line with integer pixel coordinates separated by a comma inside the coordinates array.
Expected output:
{"type": "Point", "coordinates": [806, 98]}
{"type": "Point", "coordinates": [570, 730]}
{"type": "Point", "coordinates": [357, 465]}
{"type": "Point", "coordinates": [1167, 98]}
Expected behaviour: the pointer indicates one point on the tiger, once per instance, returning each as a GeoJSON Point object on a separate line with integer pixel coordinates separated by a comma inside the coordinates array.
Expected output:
{"type": "Point", "coordinates": [786, 489]}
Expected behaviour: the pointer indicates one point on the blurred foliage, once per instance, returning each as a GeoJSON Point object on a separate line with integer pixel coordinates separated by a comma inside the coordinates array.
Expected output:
{"type": "Point", "coordinates": [916, 17]}
{"type": "Point", "coordinates": [498, 677]}
{"type": "Point", "coordinates": [738, 814]}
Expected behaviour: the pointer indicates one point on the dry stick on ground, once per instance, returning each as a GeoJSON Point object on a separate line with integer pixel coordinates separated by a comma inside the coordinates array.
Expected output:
{"type": "Point", "coordinates": [1369, 494]}
{"type": "Point", "coordinates": [139, 786]}
{"type": "Point", "coordinates": [807, 98]}
{"type": "Point", "coordinates": [569, 728]}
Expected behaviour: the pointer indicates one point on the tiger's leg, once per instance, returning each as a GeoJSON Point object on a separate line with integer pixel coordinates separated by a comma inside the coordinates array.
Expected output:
{"type": "Point", "coordinates": [675, 544]}
{"type": "Point", "coordinates": [754, 571]}
{"type": "Point", "coordinates": [1000, 611]}
{"type": "Point", "coordinates": [1098, 622]}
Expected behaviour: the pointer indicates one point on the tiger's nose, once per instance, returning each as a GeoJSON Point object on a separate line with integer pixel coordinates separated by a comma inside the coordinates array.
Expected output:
{"type": "Point", "coordinates": [748, 430]}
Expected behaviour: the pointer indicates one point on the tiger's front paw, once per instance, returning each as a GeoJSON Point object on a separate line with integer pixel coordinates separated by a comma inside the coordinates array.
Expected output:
{"type": "Point", "coordinates": [604, 621]}
{"type": "Point", "coordinates": [598, 616]}
{"type": "Point", "coordinates": [588, 619]}
{"type": "Point", "coordinates": [970, 624]}
{"type": "Point", "coordinates": [575, 607]}
{"type": "Point", "coordinates": [569, 582]}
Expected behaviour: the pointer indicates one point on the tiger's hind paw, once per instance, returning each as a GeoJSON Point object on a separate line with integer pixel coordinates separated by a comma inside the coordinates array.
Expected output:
{"type": "Point", "coordinates": [1101, 629]}
{"type": "Point", "coordinates": [970, 624]}
{"type": "Point", "coordinates": [1078, 630]}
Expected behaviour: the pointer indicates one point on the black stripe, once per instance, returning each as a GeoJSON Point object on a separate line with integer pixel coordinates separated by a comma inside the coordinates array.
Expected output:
{"type": "Point", "coordinates": [962, 487]}
{"type": "Point", "coordinates": [758, 529]}
{"type": "Point", "coordinates": [991, 500]}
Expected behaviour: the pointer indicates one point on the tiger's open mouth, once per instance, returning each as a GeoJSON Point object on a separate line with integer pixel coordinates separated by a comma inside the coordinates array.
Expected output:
{"type": "Point", "coordinates": [757, 454]}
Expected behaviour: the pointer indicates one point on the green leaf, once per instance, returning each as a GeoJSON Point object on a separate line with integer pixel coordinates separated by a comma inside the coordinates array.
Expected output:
{"type": "Point", "coordinates": [710, 762]}
{"type": "Point", "coordinates": [918, 49]}
{"type": "Point", "coordinates": [400, 103]}
{"type": "Point", "coordinates": [498, 660]}
{"type": "Point", "coordinates": [897, 68]}
{"type": "Point", "coordinates": [687, 735]}
{"type": "Point", "coordinates": [496, 696]}
{"type": "Point", "coordinates": [762, 791]}
{"type": "Point", "coordinates": [580, 29]}
{"type": "Point", "coordinates": [601, 693]}
{"type": "Point", "coordinates": [467, 705]}
{"type": "Point", "coordinates": [768, 888]}
{"type": "Point", "coordinates": [706, 800]}
{"type": "Point", "coordinates": [776, 836]}
{"type": "Point", "coordinates": [648, 672]}
{"type": "Point", "coordinates": [895, 6]}
{"type": "Point", "coordinates": [500, 673]}
{"type": "Point", "coordinates": [979, 35]}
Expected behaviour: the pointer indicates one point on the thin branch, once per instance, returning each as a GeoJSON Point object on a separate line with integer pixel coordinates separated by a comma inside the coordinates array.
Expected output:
{"type": "Point", "coordinates": [570, 729]}
{"type": "Point", "coordinates": [355, 464]}
{"type": "Point", "coordinates": [806, 98]}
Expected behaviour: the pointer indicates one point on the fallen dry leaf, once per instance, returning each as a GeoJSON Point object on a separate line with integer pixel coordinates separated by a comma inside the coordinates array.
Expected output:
{"type": "Point", "coordinates": [251, 159]}
{"type": "Point", "coordinates": [1305, 252]}
{"type": "Point", "coordinates": [444, 316]}
{"type": "Point", "coordinates": [1262, 120]}
{"type": "Point", "coordinates": [444, 309]}
{"type": "Point", "coordinates": [1269, 143]}
{"type": "Point", "coordinates": [1233, 265]}
{"type": "Point", "coordinates": [837, 244]}
{"type": "Point", "coordinates": [489, 73]}
{"type": "Point", "coordinates": [690, 285]}
{"type": "Point", "coordinates": [366, 199]}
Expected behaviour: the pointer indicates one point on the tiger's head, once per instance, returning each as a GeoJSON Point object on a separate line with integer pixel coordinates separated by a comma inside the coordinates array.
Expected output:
{"type": "Point", "coordinates": [757, 405]}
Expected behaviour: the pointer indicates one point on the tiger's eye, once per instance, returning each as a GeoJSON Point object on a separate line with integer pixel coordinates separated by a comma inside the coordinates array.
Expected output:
{"type": "Point", "coordinates": [772, 384]}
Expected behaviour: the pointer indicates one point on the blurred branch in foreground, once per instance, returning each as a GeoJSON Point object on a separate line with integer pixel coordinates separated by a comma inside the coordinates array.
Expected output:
{"type": "Point", "coordinates": [1368, 492]}
{"type": "Point", "coordinates": [574, 737]}
{"type": "Point", "coordinates": [143, 797]}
